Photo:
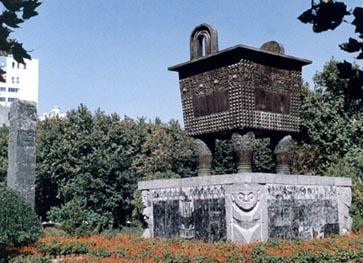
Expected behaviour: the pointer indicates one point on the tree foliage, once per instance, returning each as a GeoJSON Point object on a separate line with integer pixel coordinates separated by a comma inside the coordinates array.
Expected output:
{"type": "Point", "coordinates": [97, 160]}
{"type": "Point", "coordinates": [4, 133]}
{"type": "Point", "coordinates": [19, 224]}
{"type": "Point", "coordinates": [328, 15]}
{"type": "Point", "coordinates": [331, 125]}
{"type": "Point", "coordinates": [93, 162]}
{"type": "Point", "coordinates": [15, 12]}
{"type": "Point", "coordinates": [166, 153]}
{"type": "Point", "coordinates": [76, 219]}
{"type": "Point", "coordinates": [351, 165]}
{"type": "Point", "coordinates": [332, 130]}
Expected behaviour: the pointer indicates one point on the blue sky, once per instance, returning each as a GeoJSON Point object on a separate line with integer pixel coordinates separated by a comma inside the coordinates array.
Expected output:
{"type": "Point", "coordinates": [114, 54]}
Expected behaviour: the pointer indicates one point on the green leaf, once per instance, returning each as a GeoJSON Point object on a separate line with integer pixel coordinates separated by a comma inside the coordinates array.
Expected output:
{"type": "Point", "coordinates": [13, 5]}
{"type": "Point", "coordinates": [11, 19]}
{"type": "Point", "coordinates": [19, 53]}
{"type": "Point", "coordinates": [353, 45]}
{"type": "Point", "coordinates": [29, 8]}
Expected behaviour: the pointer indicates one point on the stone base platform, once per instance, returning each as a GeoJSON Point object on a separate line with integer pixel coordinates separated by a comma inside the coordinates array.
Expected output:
{"type": "Point", "coordinates": [247, 207]}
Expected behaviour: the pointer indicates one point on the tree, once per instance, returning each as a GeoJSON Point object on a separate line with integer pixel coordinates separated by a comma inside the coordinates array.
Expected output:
{"type": "Point", "coordinates": [166, 153]}
{"type": "Point", "coordinates": [351, 165]}
{"type": "Point", "coordinates": [94, 161]}
{"type": "Point", "coordinates": [328, 15]}
{"type": "Point", "coordinates": [331, 142]}
{"type": "Point", "coordinates": [330, 125]}
{"type": "Point", "coordinates": [87, 157]}
{"type": "Point", "coordinates": [15, 13]}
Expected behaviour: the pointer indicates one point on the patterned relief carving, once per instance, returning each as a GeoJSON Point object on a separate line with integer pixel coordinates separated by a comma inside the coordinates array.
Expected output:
{"type": "Point", "coordinates": [177, 193]}
{"type": "Point", "coordinates": [247, 212]}
{"type": "Point", "coordinates": [232, 90]}
{"type": "Point", "coordinates": [147, 213]}
{"type": "Point", "coordinates": [189, 212]}
{"type": "Point", "coordinates": [345, 201]}
{"type": "Point", "coordinates": [186, 210]}
{"type": "Point", "coordinates": [244, 213]}
{"type": "Point", "coordinates": [243, 146]}
{"type": "Point", "coordinates": [244, 143]}
{"type": "Point", "coordinates": [302, 211]}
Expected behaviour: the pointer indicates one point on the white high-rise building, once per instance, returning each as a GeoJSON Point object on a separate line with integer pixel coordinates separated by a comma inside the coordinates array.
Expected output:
{"type": "Point", "coordinates": [22, 81]}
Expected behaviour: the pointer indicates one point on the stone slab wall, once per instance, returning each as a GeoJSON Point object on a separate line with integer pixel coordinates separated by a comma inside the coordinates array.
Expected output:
{"type": "Point", "coordinates": [21, 149]}
{"type": "Point", "coordinates": [247, 207]}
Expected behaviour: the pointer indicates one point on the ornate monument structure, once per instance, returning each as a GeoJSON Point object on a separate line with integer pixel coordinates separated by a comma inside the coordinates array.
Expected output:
{"type": "Point", "coordinates": [242, 93]}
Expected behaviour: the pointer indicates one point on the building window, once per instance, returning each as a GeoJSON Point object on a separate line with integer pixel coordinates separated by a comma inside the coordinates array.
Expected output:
{"type": "Point", "coordinates": [17, 80]}
{"type": "Point", "coordinates": [18, 65]}
{"type": "Point", "coordinates": [11, 99]}
{"type": "Point", "coordinates": [2, 89]}
{"type": "Point", "coordinates": [13, 89]}
{"type": "Point", "coordinates": [24, 65]}
{"type": "Point", "coordinates": [2, 99]}
{"type": "Point", "coordinates": [13, 64]}
{"type": "Point", "coordinates": [12, 79]}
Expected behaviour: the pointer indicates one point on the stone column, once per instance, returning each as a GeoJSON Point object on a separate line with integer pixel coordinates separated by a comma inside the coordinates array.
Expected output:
{"type": "Point", "coordinates": [283, 155]}
{"type": "Point", "coordinates": [147, 213]}
{"type": "Point", "coordinates": [21, 149]}
{"type": "Point", "coordinates": [244, 147]}
{"type": "Point", "coordinates": [205, 157]}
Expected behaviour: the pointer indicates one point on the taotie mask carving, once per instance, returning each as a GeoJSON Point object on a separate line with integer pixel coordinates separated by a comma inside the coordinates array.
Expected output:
{"type": "Point", "coordinates": [245, 200]}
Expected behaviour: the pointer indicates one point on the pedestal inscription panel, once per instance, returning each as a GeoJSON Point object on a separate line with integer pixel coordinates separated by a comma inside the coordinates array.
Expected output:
{"type": "Point", "coordinates": [302, 211]}
{"type": "Point", "coordinates": [192, 212]}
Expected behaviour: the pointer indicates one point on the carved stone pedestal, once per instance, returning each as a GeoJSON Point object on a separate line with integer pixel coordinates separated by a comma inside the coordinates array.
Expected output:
{"type": "Point", "coordinates": [247, 207]}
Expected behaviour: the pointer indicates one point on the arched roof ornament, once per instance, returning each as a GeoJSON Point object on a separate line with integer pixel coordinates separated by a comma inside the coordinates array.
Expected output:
{"type": "Point", "coordinates": [203, 34]}
{"type": "Point", "coordinates": [273, 46]}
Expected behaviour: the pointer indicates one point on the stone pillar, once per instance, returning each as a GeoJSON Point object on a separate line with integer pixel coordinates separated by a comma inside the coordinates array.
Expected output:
{"type": "Point", "coordinates": [147, 213]}
{"type": "Point", "coordinates": [244, 147]}
{"type": "Point", "coordinates": [283, 155]}
{"type": "Point", "coordinates": [21, 149]}
{"type": "Point", "coordinates": [205, 157]}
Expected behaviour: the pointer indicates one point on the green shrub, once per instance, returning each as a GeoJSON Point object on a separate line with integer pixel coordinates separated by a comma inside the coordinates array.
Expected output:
{"type": "Point", "coordinates": [351, 165]}
{"type": "Point", "coordinates": [19, 224]}
{"type": "Point", "coordinates": [76, 219]}
{"type": "Point", "coordinates": [54, 232]}
{"type": "Point", "coordinates": [4, 137]}
{"type": "Point", "coordinates": [263, 157]}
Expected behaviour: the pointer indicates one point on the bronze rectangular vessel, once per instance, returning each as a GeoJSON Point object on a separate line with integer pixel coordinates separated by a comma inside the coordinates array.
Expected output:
{"type": "Point", "coordinates": [239, 88]}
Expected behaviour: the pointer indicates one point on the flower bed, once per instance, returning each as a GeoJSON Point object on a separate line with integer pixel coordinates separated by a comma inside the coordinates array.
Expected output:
{"type": "Point", "coordinates": [131, 248]}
